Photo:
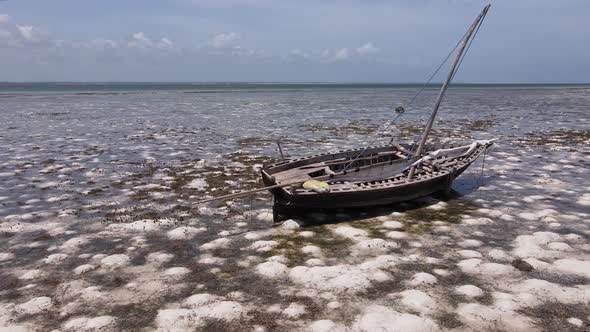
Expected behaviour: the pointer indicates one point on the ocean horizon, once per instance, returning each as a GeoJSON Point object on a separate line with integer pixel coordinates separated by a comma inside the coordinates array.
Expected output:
{"type": "Point", "coordinates": [195, 87]}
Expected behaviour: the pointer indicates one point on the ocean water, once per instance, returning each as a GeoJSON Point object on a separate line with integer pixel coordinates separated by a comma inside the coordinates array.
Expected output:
{"type": "Point", "coordinates": [215, 118]}
{"type": "Point", "coordinates": [96, 217]}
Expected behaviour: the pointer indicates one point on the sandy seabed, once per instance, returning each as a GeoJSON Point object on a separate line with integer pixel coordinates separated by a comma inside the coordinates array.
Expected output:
{"type": "Point", "coordinates": [93, 241]}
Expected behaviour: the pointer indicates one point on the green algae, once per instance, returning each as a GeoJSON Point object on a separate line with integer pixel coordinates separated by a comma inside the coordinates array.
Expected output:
{"type": "Point", "coordinates": [290, 244]}
{"type": "Point", "coordinates": [559, 137]}
{"type": "Point", "coordinates": [373, 226]}
{"type": "Point", "coordinates": [418, 219]}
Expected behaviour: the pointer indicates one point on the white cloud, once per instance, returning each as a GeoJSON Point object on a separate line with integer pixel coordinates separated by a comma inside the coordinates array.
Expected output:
{"type": "Point", "coordinates": [248, 52]}
{"type": "Point", "coordinates": [346, 53]}
{"type": "Point", "coordinates": [103, 44]}
{"type": "Point", "coordinates": [4, 18]}
{"type": "Point", "coordinates": [165, 43]}
{"type": "Point", "coordinates": [140, 40]}
{"type": "Point", "coordinates": [26, 31]}
{"type": "Point", "coordinates": [367, 49]}
{"type": "Point", "coordinates": [299, 53]}
{"type": "Point", "coordinates": [225, 40]}
{"type": "Point", "coordinates": [342, 54]}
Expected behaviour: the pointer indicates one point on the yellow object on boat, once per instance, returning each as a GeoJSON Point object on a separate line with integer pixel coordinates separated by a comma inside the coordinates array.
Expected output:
{"type": "Point", "coordinates": [317, 186]}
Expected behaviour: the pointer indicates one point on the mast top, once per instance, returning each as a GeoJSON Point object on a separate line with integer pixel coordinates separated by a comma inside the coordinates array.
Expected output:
{"type": "Point", "coordinates": [452, 71]}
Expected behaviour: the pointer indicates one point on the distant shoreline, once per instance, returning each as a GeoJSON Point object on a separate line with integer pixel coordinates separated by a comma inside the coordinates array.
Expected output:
{"type": "Point", "coordinates": [109, 88]}
{"type": "Point", "coordinates": [256, 83]}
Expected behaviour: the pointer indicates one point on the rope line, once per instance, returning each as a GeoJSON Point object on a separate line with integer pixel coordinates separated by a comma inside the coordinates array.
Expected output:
{"type": "Point", "coordinates": [436, 71]}
{"type": "Point", "coordinates": [409, 103]}
{"type": "Point", "coordinates": [469, 45]}
{"type": "Point", "coordinates": [462, 56]}
{"type": "Point", "coordinates": [483, 163]}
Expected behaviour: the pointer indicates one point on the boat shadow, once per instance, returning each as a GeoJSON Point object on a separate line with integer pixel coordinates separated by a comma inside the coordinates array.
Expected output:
{"type": "Point", "coordinates": [469, 183]}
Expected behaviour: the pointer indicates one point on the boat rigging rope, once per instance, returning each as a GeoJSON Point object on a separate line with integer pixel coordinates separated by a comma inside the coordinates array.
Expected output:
{"type": "Point", "coordinates": [483, 163]}
{"type": "Point", "coordinates": [469, 45]}
{"type": "Point", "coordinates": [401, 110]}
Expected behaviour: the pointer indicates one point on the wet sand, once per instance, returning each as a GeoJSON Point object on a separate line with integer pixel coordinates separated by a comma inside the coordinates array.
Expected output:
{"type": "Point", "coordinates": [98, 232]}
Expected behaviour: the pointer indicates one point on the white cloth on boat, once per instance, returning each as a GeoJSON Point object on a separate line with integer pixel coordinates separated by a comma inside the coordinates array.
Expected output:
{"type": "Point", "coordinates": [317, 186]}
{"type": "Point", "coordinates": [435, 154]}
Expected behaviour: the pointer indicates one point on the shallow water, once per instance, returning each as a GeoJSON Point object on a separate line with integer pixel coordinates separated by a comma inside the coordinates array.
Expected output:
{"type": "Point", "coordinates": [97, 221]}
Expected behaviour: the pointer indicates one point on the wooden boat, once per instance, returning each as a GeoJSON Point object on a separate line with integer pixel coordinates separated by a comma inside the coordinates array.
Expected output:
{"type": "Point", "coordinates": [376, 175]}
{"type": "Point", "coordinates": [380, 177]}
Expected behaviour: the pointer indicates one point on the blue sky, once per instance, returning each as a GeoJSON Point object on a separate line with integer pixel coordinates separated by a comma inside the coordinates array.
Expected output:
{"type": "Point", "coordinates": [528, 41]}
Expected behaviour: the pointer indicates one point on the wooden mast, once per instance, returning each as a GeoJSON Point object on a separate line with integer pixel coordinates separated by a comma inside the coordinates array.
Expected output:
{"type": "Point", "coordinates": [445, 85]}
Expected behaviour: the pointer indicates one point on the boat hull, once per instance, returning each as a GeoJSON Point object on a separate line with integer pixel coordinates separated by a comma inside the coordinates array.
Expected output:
{"type": "Point", "coordinates": [376, 193]}
{"type": "Point", "coordinates": [376, 197]}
